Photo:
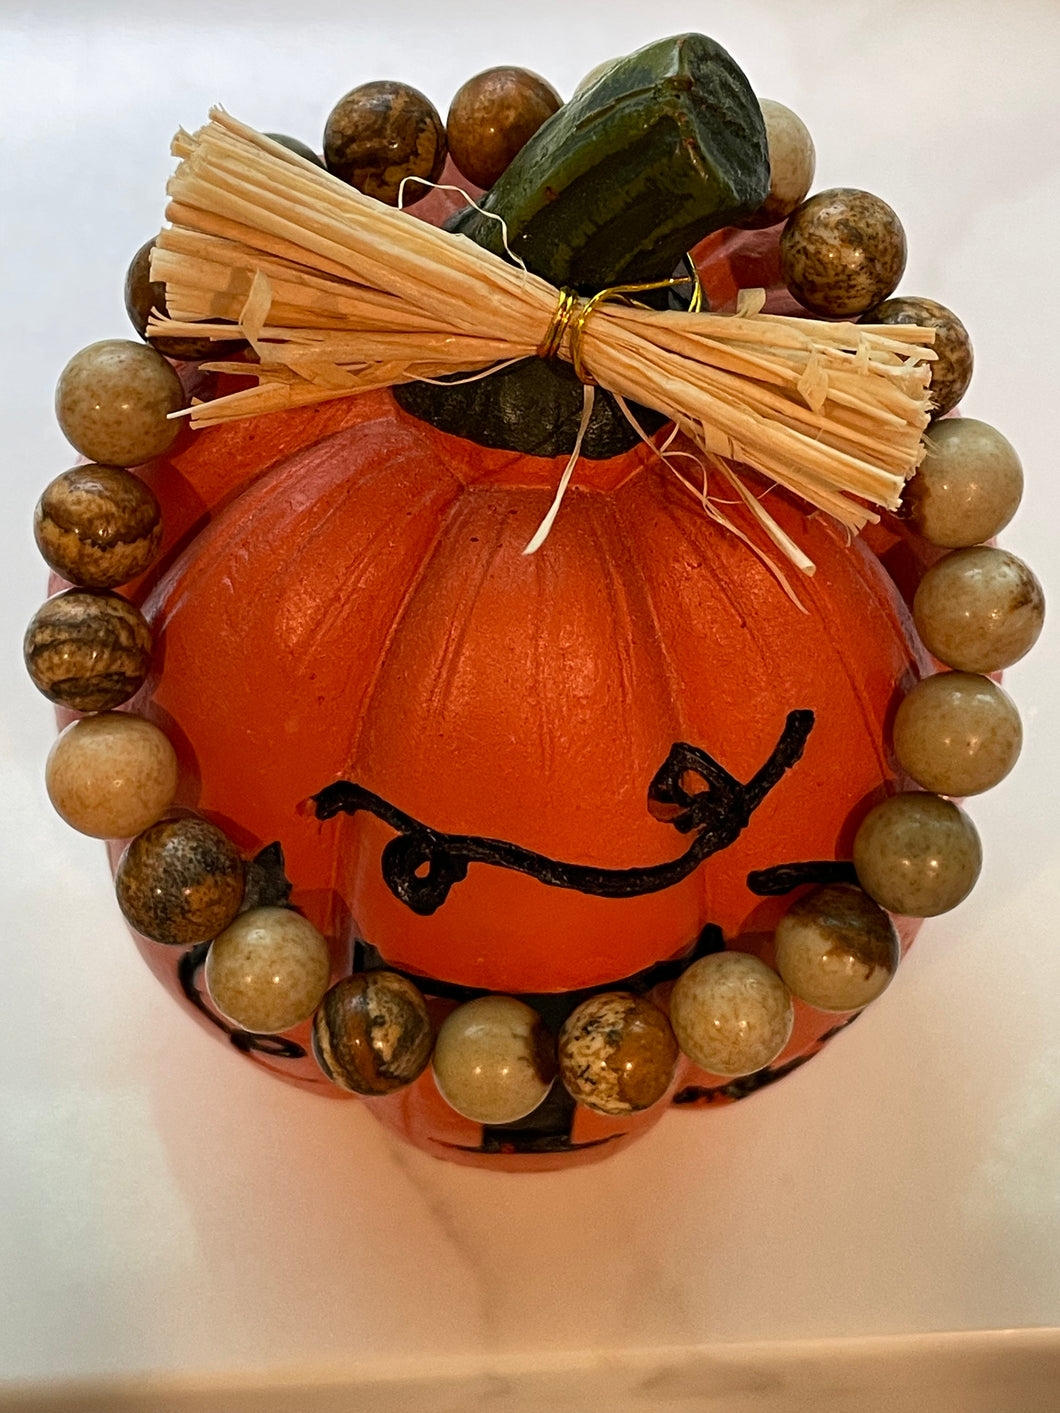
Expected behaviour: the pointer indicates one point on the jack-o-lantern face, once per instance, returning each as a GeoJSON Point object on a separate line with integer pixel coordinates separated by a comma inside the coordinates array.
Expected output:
{"type": "Point", "coordinates": [358, 607]}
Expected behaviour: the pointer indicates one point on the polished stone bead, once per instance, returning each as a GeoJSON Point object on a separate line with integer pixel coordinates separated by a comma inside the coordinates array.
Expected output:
{"type": "Point", "coordinates": [98, 526]}
{"type": "Point", "coordinates": [111, 776]}
{"type": "Point", "coordinates": [494, 1060]}
{"type": "Point", "coordinates": [731, 1013]}
{"type": "Point", "coordinates": [88, 649]}
{"type": "Point", "coordinates": [957, 733]}
{"type": "Point", "coordinates": [493, 116]}
{"type": "Point", "coordinates": [144, 297]}
{"type": "Point", "coordinates": [951, 371]}
{"type": "Point", "coordinates": [294, 144]}
{"type": "Point", "coordinates": [842, 252]}
{"type": "Point", "coordinates": [180, 882]}
{"type": "Point", "coordinates": [917, 855]}
{"type": "Point", "coordinates": [268, 970]}
{"type": "Point", "coordinates": [617, 1053]}
{"type": "Point", "coordinates": [979, 609]}
{"type": "Point", "coordinates": [380, 133]}
{"type": "Point", "coordinates": [792, 161]}
{"type": "Point", "coordinates": [113, 402]}
{"type": "Point", "coordinates": [836, 949]}
{"type": "Point", "coordinates": [968, 486]}
{"type": "Point", "coordinates": [372, 1033]}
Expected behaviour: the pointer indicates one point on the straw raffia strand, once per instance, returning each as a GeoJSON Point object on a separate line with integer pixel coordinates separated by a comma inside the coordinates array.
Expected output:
{"type": "Point", "coordinates": [338, 294]}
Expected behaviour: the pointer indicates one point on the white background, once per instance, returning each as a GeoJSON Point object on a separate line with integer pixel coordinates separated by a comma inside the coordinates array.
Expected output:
{"type": "Point", "coordinates": [165, 1207]}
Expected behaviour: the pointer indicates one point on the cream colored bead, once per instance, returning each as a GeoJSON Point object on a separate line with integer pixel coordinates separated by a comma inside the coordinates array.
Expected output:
{"type": "Point", "coordinates": [957, 733]}
{"type": "Point", "coordinates": [731, 1013]}
{"type": "Point", "coordinates": [968, 486]}
{"type": "Point", "coordinates": [917, 855]}
{"type": "Point", "coordinates": [112, 775]}
{"type": "Point", "coordinates": [837, 950]}
{"type": "Point", "coordinates": [494, 1061]}
{"type": "Point", "coordinates": [268, 970]}
{"type": "Point", "coordinates": [113, 402]}
{"type": "Point", "coordinates": [792, 161]}
{"type": "Point", "coordinates": [979, 610]}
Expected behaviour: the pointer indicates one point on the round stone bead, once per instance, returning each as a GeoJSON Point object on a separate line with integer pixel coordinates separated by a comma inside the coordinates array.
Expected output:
{"type": "Point", "coordinates": [98, 526]}
{"type": "Point", "coordinates": [917, 855]}
{"type": "Point", "coordinates": [842, 252]}
{"type": "Point", "coordinates": [294, 144]}
{"type": "Point", "coordinates": [372, 1033]}
{"type": "Point", "coordinates": [144, 297]}
{"type": "Point", "coordinates": [836, 949]}
{"type": "Point", "coordinates": [180, 882]}
{"type": "Point", "coordinates": [967, 487]}
{"type": "Point", "coordinates": [113, 402]}
{"type": "Point", "coordinates": [493, 116]}
{"type": "Point", "coordinates": [731, 1013]}
{"type": "Point", "coordinates": [111, 776]}
{"type": "Point", "coordinates": [979, 609]}
{"type": "Point", "coordinates": [88, 649]}
{"type": "Point", "coordinates": [617, 1053]}
{"type": "Point", "coordinates": [951, 372]}
{"type": "Point", "coordinates": [268, 970]}
{"type": "Point", "coordinates": [379, 134]}
{"type": "Point", "coordinates": [494, 1060]}
{"type": "Point", "coordinates": [792, 161]}
{"type": "Point", "coordinates": [957, 733]}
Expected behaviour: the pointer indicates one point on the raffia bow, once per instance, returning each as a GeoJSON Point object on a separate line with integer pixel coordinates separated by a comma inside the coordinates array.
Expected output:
{"type": "Point", "coordinates": [339, 294]}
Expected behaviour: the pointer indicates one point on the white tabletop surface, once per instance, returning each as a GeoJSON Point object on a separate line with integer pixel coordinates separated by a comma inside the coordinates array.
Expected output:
{"type": "Point", "coordinates": [167, 1208]}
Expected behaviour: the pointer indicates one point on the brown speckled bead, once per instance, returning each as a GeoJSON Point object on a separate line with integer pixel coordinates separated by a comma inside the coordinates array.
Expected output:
{"type": "Point", "coordinates": [792, 161]}
{"type": "Point", "coordinates": [968, 486]}
{"type": "Point", "coordinates": [493, 116]}
{"type": "Point", "coordinates": [951, 372]}
{"type": "Point", "coordinates": [494, 1060]}
{"type": "Point", "coordinates": [372, 1033]}
{"type": "Point", "coordinates": [617, 1053]}
{"type": "Point", "coordinates": [979, 609]}
{"type": "Point", "coordinates": [731, 1013]}
{"type": "Point", "coordinates": [98, 526]}
{"type": "Point", "coordinates": [379, 134]}
{"type": "Point", "coordinates": [180, 882]}
{"type": "Point", "coordinates": [268, 970]}
{"type": "Point", "coordinates": [111, 776]}
{"type": "Point", "coordinates": [113, 402]}
{"type": "Point", "coordinates": [917, 855]}
{"type": "Point", "coordinates": [144, 296]}
{"type": "Point", "coordinates": [842, 252]}
{"type": "Point", "coordinates": [88, 649]}
{"type": "Point", "coordinates": [957, 733]}
{"type": "Point", "coordinates": [837, 950]}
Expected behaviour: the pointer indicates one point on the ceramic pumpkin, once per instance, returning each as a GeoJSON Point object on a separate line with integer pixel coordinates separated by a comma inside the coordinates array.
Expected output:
{"type": "Point", "coordinates": [540, 775]}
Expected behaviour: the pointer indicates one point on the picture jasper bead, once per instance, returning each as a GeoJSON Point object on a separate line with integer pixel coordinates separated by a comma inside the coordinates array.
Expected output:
{"type": "Point", "coordinates": [837, 950]}
{"type": "Point", "coordinates": [917, 855]}
{"type": "Point", "coordinates": [951, 372]}
{"type": "Point", "coordinates": [842, 252]}
{"type": "Point", "coordinates": [294, 144]}
{"type": "Point", "coordinates": [492, 118]}
{"type": "Point", "coordinates": [111, 776]}
{"type": "Point", "coordinates": [979, 609]}
{"type": "Point", "coordinates": [268, 970]}
{"type": "Point", "coordinates": [731, 1013]}
{"type": "Point", "coordinates": [180, 882]}
{"type": "Point", "coordinates": [957, 733]}
{"type": "Point", "coordinates": [617, 1053]}
{"type": "Point", "coordinates": [88, 649]}
{"type": "Point", "coordinates": [113, 402]}
{"type": "Point", "coordinates": [494, 1060]}
{"type": "Point", "coordinates": [968, 486]}
{"type": "Point", "coordinates": [98, 526]}
{"type": "Point", "coordinates": [792, 161]}
{"type": "Point", "coordinates": [372, 1033]}
{"type": "Point", "coordinates": [379, 134]}
{"type": "Point", "coordinates": [144, 297]}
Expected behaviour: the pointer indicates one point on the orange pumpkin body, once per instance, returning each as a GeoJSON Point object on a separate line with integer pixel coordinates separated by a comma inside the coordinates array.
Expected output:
{"type": "Point", "coordinates": [344, 596]}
